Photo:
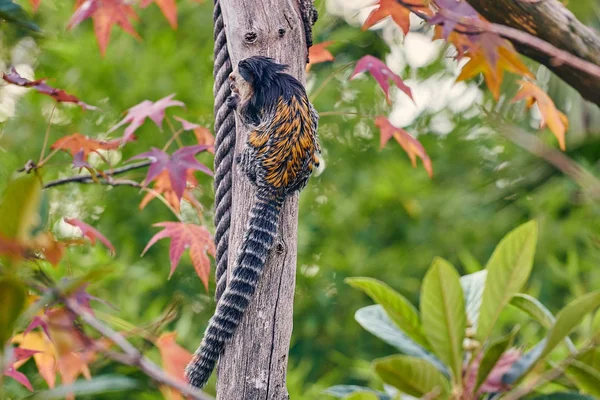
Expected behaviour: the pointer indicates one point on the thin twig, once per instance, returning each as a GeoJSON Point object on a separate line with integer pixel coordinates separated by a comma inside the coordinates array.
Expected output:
{"type": "Point", "coordinates": [131, 355]}
{"type": "Point", "coordinates": [90, 178]}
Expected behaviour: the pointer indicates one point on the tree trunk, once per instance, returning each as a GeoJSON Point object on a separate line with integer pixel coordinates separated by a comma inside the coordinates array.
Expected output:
{"type": "Point", "coordinates": [552, 22]}
{"type": "Point", "coordinates": [254, 364]}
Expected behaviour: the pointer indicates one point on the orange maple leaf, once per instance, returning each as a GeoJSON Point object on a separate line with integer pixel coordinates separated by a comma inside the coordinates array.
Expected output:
{"type": "Point", "coordinates": [391, 8]}
{"type": "Point", "coordinates": [83, 145]}
{"type": "Point", "coordinates": [168, 9]}
{"type": "Point", "coordinates": [551, 116]}
{"type": "Point", "coordinates": [411, 146]}
{"type": "Point", "coordinates": [162, 185]}
{"type": "Point", "coordinates": [45, 359]}
{"type": "Point", "coordinates": [506, 58]}
{"type": "Point", "coordinates": [205, 137]}
{"type": "Point", "coordinates": [105, 14]}
{"type": "Point", "coordinates": [318, 53]}
{"type": "Point", "coordinates": [174, 360]}
{"type": "Point", "coordinates": [187, 236]}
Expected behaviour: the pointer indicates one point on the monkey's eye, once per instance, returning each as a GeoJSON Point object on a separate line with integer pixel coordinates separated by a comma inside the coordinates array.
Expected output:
{"type": "Point", "coordinates": [232, 78]}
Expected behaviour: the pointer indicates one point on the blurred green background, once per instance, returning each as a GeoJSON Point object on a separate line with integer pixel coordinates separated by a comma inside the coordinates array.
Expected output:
{"type": "Point", "coordinates": [368, 212]}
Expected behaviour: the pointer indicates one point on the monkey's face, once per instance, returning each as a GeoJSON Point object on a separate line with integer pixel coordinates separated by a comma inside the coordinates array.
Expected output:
{"type": "Point", "coordinates": [240, 86]}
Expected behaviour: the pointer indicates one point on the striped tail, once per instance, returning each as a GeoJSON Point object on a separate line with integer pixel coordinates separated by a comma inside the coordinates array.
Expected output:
{"type": "Point", "coordinates": [258, 240]}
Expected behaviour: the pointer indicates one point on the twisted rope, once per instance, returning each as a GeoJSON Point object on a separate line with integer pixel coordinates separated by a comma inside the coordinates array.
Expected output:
{"type": "Point", "coordinates": [224, 147]}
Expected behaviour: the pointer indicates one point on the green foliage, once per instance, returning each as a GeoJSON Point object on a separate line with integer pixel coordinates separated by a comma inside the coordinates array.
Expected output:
{"type": "Point", "coordinates": [444, 309]}
{"type": "Point", "coordinates": [12, 303]}
{"type": "Point", "coordinates": [444, 316]}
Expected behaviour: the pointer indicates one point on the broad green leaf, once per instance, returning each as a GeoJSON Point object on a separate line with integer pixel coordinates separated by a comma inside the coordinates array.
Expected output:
{"type": "Point", "coordinates": [491, 355]}
{"type": "Point", "coordinates": [12, 12]}
{"type": "Point", "coordinates": [536, 310]}
{"type": "Point", "coordinates": [569, 317]}
{"type": "Point", "coordinates": [341, 391]}
{"type": "Point", "coordinates": [12, 302]}
{"type": "Point", "coordinates": [96, 385]}
{"type": "Point", "coordinates": [375, 320]}
{"type": "Point", "coordinates": [473, 285]}
{"type": "Point", "coordinates": [508, 271]}
{"type": "Point", "coordinates": [411, 375]}
{"type": "Point", "coordinates": [443, 314]}
{"type": "Point", "coordinates": [19, 208]}
{"type": "Point", "coordinates": [586, 378]}
{"type": "Point", "coordinates": [400, 310]}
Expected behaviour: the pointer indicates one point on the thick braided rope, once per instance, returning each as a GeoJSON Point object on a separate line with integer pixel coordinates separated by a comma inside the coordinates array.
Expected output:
{"type": "Point", "coordinates": [224, 147]}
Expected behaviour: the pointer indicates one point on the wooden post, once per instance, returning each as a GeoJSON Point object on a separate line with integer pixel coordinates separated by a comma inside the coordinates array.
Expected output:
{"type": "Point", "coordinates": [254, 364]}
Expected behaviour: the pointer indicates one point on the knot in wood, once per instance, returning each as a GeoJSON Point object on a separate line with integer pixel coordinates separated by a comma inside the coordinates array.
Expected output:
{"type": "Point", "coordinates": [250, 37]}
{"type": "Point", "coordinates": [281, 32]}
{"type": "Point", "coordinates": [280, 247]}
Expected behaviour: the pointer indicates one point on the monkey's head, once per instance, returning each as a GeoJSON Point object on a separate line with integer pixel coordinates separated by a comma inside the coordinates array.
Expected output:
{"type": "Point", "coordinates": [252, 75]}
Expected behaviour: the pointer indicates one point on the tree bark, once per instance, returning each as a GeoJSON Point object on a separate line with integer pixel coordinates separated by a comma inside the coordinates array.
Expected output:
{"type": "Point", "coordinates": [552, 22]}
{"type": "Point", "coordinates": [254, 364]}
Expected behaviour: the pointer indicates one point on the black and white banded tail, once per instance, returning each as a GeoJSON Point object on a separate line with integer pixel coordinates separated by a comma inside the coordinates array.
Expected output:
{"type": "Point", "coordinates": [258, 240]}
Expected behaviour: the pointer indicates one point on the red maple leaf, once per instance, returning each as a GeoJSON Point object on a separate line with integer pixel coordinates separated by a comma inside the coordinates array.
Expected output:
{"type": "Point", "coordinates": [187, 125]}
{"type": "Point", "coordinates": [177, 165]}
{"type": "Point", "coordinates": [168, 9]}
{"type": "Point", "coordinates": [34, 4]}
{"type": "Point", "coordinates": [411, 146]}
{"type": "Point", "coordinates": [137, 114]}
{"type": "Point", "coordinates": [40, 86]}
{"type": "Point", "coordinates": [162, 185]}
{"type": "Point", "coordinates": [91, 233]}
{"type": "Point", "coordinates": [187, 236]}
{"type": "Point", "coordinates": [318, 53]}
{"type": "Point", "coordinates": [382, 75]}
{"type": "Point", "coordinates": [19, 354]}
{"type": "Point", "coordinates": [105, 14]}
{"type": "Point", "coordinates": [80, 146]}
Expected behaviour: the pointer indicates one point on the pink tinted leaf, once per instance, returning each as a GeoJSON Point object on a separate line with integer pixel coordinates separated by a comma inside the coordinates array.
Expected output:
{"type": "Point", "coordinates": [159, 160]}
{"type": "Point", "coordinates": [19, 377]}
{"type": "Point", "coordinates": [91, 233]}
{"type": "Point", "coordinates": [37, 322]}
{"type": "Point", "coordinates": [382, 75]}
{"type": "Point", "coordinates": [187, 125]}
{"type": "Point", "coordinates": [137, 114]}
{"type": "Point", "coordinates": [40, 86]}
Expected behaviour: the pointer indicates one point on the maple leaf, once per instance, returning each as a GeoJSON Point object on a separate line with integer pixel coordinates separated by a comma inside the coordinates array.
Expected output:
{"type": "Point", "coordinates": [80, 146]}
{"type": "Point", "coordinates": [91, 233]}
{"type": "Point", "coordinates": [105, 14]}
{"type": "Point", "coordinates": [187, 236]}
{"type": "Point", "coordinates": [174, 359]}
{"type": "Point", "coordinates": [391, 8]}
{"type": "Point", "coordinates": [187, 125]}
{"type": "Point", "coordinates": [411, 146]}
{"type": "Point", "coordinates": [11, 247]}
{"type": "Point", "coordinates": [551, 116]}
{"type": "Point", "coordinates": [35, 4]}
{"type": "Point", "coordinates": [204, 137]}
{"type": "Point", "coordinates": [491, 57]}
{"type": "Point", "coordinates": [162, 185]}
{"type": "Point", "coordinates": [40, 86]}
{"type": "Point", "coordinates": [44, 357]}
{"type": "Point", "coordinates": [47, 244]}
{"type": "Point", "coordinates": [168, 9]}
{"type": "Point", "coordinates": [382, 75]}
{"type": "Point", "coordinates": [137, 114]}
{"type": "Point", "coordinates": [177, 165]}
{"type": "Point", "coordinates": [456, 7]}
{"type": "Point", "coordinates": [318, 53]}
{"type": "Point", "coordinates": [18, 357]}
